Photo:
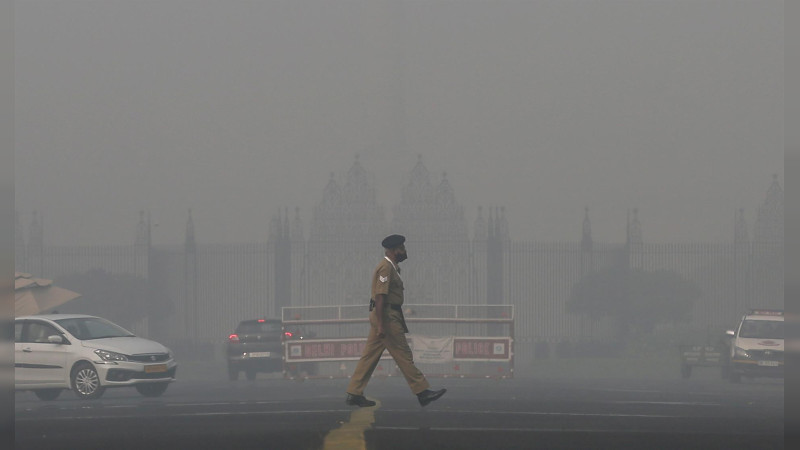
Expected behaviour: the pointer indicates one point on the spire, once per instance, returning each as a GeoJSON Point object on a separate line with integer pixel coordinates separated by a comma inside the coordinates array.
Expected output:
{"type": "Point", "coordinates": [490, 226]}
{"type": "Point", "coordinates": [139, 239]}
{"type": "Point", "coordinates": [332, 195]}
{"type": "Point", "coordinates": [636, 228]}
{"type": "Point", "coordinates": [358, 188]}
{"type": "Point", "coordinates": [190, 242]}
{"type": "Point", "coordinates": [769, 224]}
{"type": "Point", "coordinates": [429, 212]}
{"type": "Point", "coordinates": [349, 208]}
{"type": "Point", "coordinates": [481, 230]}
{"type": "Point", "coordinates": [445, 198]}
{"type": "Point", "coordinates": [356, 174]}
{"type": "Point", "coordinates": [418, 189]}
{"type": "Point", "coordinates": [586, 239]}
{"type": "Point", "coordinates": [633, 231]}
{"type": "Point", "coordinates": [419, 169]}
{"type": "Point", "coordinates": [36, 230]}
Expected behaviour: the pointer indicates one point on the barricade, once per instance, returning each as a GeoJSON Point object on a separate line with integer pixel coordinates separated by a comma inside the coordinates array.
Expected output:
{"type": "Point", "coordinates": [447, 340]}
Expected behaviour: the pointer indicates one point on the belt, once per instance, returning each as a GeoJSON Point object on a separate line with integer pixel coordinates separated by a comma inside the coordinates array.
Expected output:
{"type": "Point", "coordinates": [393, 306]}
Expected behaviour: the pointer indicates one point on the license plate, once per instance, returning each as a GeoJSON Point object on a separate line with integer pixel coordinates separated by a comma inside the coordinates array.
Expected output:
{"type": "Point", "coordinates": [260, 354]}
{"type": "Point", "coordinates": [155, 368]}
{"type": "Point", "coordinates": [768, 363]}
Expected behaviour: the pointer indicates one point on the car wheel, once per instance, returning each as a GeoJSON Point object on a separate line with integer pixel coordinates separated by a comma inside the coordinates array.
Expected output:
{"type": "Point", "coordinates": [152, 389]}
{"type": "Point", "coordinates": [47, 394]}
{"type": "Point", "coordinates": [86, 382]}
{"type": "Point", "coordinates": [233, 373]}
{"type": "Point", "coordinates": [251, 374]}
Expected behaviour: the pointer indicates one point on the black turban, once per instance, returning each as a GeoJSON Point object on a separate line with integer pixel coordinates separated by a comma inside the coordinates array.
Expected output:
{"type": "Point", "coordinates": [393, 241]}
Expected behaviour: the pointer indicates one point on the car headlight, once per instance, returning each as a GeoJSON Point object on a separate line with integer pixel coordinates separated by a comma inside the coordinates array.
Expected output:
{"type": "Point", "coordinates": [106, 355]}
{"type": "Point", "coordinates": [741, 353]}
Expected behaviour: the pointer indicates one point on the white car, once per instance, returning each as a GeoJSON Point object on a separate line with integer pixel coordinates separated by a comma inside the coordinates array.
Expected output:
{"type": "Point", "coordinates": [86, 354]}
{"type": "Point", "coordinates": [757, 345]}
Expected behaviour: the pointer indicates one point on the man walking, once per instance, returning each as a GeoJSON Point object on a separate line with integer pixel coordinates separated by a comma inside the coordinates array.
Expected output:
{"type": "Point", "coordinates": [387, 330]}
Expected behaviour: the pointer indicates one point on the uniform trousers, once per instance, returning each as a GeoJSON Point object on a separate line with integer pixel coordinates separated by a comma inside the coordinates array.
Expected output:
{"type": "Point", "coordinates": [395, 341]}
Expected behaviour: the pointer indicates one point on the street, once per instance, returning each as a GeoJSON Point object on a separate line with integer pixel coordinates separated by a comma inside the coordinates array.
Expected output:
{"type": "Point", "coordinates": [211, 412]}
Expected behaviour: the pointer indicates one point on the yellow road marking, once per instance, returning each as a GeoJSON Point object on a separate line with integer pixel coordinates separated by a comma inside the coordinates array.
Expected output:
{"type": "Point", "coordinates": [350, 436]}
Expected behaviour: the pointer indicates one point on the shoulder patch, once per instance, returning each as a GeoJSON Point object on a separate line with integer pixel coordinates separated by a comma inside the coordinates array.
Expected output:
{"type": "Point", "coordinates": [383, 279]}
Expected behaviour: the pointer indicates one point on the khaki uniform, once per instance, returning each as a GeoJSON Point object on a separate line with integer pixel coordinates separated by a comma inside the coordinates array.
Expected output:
{"type": "Point", "coordinates": [386, 280]}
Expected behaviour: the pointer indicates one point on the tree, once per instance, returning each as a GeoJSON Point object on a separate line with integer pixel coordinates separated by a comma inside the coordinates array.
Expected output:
{"type": "Point", "coordinates": [638, 299]}
{"type": "Point", "coordinates": [120, 298]}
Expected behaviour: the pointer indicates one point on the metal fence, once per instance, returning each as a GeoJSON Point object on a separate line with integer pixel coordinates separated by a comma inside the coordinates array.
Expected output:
{"type": "Point", "coordinates": [211, 288]}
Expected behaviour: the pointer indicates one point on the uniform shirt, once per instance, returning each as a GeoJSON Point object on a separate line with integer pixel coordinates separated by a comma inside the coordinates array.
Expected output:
{"type": "Point", "coordinates": [386, 280]}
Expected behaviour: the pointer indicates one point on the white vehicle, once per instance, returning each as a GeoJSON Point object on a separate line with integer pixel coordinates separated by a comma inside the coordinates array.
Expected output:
{"type": "Point", "coordinates": [757, 346]}
{"type": "Point", "coordinates": [86, 354]}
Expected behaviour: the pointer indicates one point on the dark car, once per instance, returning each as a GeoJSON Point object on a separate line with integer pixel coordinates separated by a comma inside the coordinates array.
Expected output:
{"type": "Point", "coordinates": [256, 346]}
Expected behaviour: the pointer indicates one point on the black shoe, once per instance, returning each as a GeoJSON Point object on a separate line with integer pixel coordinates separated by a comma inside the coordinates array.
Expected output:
{"type": "Point", "coordinates": [428, 396]}
{"type": "Point", "coordinates": [358, 400]}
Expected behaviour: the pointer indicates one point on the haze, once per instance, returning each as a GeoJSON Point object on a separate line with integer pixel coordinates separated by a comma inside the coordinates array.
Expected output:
{"type": "Point", "coordinates": [238, 108]}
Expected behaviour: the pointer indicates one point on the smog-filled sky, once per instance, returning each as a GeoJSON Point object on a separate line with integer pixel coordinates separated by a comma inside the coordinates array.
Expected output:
{"type": "Point", "coordinates": [238, 108]}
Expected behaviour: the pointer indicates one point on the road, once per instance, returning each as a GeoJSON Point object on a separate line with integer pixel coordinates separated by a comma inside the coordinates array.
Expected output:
{"type": "Point", "coordinates": [270, 412]}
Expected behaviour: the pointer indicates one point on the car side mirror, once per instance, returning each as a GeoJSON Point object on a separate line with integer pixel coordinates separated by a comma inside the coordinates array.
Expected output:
{"type": "Point", "coordinates": [730, 333]}
{"type": "Point", "coordinates": [55, 339]}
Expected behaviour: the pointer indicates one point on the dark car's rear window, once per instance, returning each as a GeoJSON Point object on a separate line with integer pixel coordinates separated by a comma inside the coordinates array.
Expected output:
{"type": "Point", "coordinates": [254, 327]}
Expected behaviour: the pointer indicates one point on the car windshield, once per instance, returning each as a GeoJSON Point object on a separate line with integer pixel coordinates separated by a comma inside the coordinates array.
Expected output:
{"type": "Point", "coordinates": [85, 328]}
{"type": "Point", "coordinates": [259, 327]}
{"type": "Point", "coordinates": [762, 329]}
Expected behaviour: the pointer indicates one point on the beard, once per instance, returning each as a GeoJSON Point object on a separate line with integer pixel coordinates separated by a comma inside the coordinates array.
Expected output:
{"type": "Point", "coordinates": [401, 257]}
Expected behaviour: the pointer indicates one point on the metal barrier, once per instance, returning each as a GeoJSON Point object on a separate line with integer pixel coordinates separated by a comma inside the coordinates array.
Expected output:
{"type": "Point", "coordinates": [447, 340]}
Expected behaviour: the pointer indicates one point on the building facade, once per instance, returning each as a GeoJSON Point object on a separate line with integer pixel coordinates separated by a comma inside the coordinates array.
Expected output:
{"type": "Point", "coordinates": [200, 291]}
